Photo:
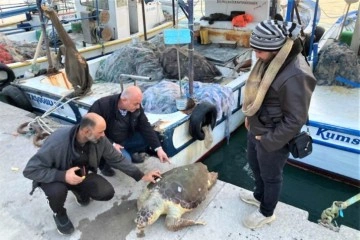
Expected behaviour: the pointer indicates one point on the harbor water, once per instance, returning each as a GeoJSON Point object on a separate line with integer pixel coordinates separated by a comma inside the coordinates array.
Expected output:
{"type": "Point", "coordinates": [301, 188]}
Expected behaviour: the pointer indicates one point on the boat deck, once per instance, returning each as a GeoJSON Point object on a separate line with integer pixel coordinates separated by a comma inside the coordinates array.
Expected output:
{"type": "Point", "coordinates": [342, 109]}
{"type": "Point", "coordinates": [25, 217]}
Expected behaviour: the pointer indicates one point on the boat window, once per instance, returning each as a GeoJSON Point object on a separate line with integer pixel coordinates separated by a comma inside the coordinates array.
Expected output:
{"type": "Point", "coordinates": [102, 4]}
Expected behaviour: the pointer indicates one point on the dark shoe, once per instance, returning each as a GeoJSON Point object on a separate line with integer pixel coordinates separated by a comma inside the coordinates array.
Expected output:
{"type": "Point", "coordinates": [107, 171]}
{"type": "Point", "coordinates": [138, 157]}
{"type": "Point", "coordinates": [81, 200]}
{"type": "Point", "coordinates": [63, 223]}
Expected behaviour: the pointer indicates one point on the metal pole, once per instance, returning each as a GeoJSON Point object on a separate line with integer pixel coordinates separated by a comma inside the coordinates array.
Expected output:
{"type": "Point", "coordinates": [344, 21]}
{"type": "Point", "coordinates": [289, 10]}
{"type": "Point", "coordinates": [273, 9]}
{"type": "Point", "coordinates": [173, 9]}
{"type": "Point", "coordinates": [355, 42]}
{"type": "Point", "coordinates": [43, 27]}
{"type": "Point", "coordinates": [144, 20]}
{"type": "Point", "coordinates": [191, 47]}
{"type": "Point", "coordinates": [313, 29]}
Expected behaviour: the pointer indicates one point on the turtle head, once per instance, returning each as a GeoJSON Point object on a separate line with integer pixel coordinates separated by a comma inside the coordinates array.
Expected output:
{"type": "Point", "coordinates": [142, 218]}
{"type": "Point", "coordinates": [145, 217]}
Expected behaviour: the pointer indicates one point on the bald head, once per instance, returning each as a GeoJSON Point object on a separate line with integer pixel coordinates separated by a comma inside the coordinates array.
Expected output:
{"type": "Point", "coordinates": [92, 128]}
{"type": "Point", "coordinates": [131, 92]}
{"type": "Point", "coordinates": [91, 120]}
{"type": "Point", "coordinates": [131, 99]}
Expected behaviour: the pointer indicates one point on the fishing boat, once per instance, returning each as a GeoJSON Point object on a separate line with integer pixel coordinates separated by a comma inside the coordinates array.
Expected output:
{"type": "Point", "coordinates": [181, 132]}
{"type": "Point", "coordinates": [43, 92]}
{"type": "Point", "coordinates": [23, 17]}
{"type": "Point", "coordinates": [334, 110]}
{"type": "Point", "coordinates": [343, 25]}
{"type": "Point", "coordinates": [226, 31]}
{"type": "Point", "coordinates": [304, 14]}
{"type": "Point", "coordinates": [99, 31]}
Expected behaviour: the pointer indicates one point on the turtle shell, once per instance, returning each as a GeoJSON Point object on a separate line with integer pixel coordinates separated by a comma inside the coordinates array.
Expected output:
{"type": "Point", "coordinates": [186, 185]}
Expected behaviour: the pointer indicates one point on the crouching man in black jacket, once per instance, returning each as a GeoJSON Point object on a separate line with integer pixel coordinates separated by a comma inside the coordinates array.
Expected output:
{"type": "Point", "coordinates": [127, 127]}
{"type": "Point", "coordinates": [68, 160]}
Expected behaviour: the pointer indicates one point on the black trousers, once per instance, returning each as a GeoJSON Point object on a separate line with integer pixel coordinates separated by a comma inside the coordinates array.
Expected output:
{"type": "Point", "coordinates": [93, 186]}
{"type": "Point", "coordinates": [136, 143]}
{"type": "Point", "coordinates": [268, 172]}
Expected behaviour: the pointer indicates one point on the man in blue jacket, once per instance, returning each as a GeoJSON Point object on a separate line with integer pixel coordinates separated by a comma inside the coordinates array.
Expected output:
{"type": "Point", "coordinates": [127, 127]}
{"type": "Point", "coordinates": [68, 160]}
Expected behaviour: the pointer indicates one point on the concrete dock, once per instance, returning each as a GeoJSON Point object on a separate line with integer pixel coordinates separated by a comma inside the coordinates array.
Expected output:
{"type": "Point", "coordinates": [24, 217]}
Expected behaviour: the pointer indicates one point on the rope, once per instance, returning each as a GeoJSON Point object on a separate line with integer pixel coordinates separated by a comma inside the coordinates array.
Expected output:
{"type": "Point", "coordinates": [329, 214]}
{"type": "Point", "coordinates": [39, 126]}
{"type": "Point", "coordinates": [40, 119]}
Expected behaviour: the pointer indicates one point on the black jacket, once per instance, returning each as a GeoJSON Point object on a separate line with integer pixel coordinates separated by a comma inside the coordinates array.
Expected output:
{"type": "Point", "coordinates": [52, 160]}
{"type": "Point", "coordinates": [285, 107]}
{"type": "Point", "coordinates": [118, 127]}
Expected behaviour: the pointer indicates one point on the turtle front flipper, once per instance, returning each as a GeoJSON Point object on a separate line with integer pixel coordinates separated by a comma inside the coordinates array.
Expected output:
{"type": "Point", "coordinates": [175, 224]}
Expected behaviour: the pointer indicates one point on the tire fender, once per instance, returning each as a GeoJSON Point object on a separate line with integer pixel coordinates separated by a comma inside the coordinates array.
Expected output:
{"type": "Point", "coordinates": [203, 114]}
{"type": "Point", "coordinates": [10, 76]}
{"type": "Point", "coordinates": [16, 97]}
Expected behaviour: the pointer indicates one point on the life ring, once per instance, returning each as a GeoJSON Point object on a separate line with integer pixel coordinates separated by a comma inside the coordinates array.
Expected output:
{"type": "Point", "coordinates": [14, 96]}
{"type": "Point", "coordinates": [203, 114]}
{"type": "Point", "coordinates": [10, 76]}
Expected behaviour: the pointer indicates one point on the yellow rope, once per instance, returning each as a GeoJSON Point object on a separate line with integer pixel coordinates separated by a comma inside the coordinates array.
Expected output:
{"type": "Point", "coordinates": [329, 214]}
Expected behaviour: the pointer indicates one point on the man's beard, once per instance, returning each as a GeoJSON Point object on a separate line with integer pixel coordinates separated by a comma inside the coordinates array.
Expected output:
{"type": "Point", "coordinates": [269, 59]}
{"type": "Point", "coordinates": [93, 139]}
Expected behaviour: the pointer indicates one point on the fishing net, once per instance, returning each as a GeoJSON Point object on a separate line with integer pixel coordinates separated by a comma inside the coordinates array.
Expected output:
{"type": "Point", "coordinates": [153, 59]}
{"type": "Point", "coordinates": [16, 51]}
{"type": "Point", "coordinates": [216, 94]}
{"type": "Point", "coordinates": [140, 59]}
{"type": "Point", "coordinates": [338, 60]}
{"type": "Point", "coordinates": [160, 98]}
{"type": "Point", "coordinates": [204, 71]}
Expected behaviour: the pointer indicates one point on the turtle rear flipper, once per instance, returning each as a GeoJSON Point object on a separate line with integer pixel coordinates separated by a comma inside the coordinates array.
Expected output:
{"type": "Point", "coordinates": [175, 224]}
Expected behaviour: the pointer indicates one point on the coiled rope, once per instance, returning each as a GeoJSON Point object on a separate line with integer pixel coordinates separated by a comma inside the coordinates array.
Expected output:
{"type": "Point", "coordinates": [329, 214]}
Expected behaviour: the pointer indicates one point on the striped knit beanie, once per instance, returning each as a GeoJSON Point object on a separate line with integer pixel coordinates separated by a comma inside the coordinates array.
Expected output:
{"type": "Point", "coordinates": [271, 35]}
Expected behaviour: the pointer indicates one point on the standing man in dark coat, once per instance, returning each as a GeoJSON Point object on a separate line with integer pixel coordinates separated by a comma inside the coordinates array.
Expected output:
{"type": "Point", "coordinates": [277, 99]}
{"type": "Point", "coordinates": [128, 127]}
{"type": "Point", "coordinates": [68, 160]}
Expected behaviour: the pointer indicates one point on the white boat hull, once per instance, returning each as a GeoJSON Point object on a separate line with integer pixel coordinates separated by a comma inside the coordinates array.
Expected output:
{"type": "Point", "coordinates": [335, 128]}
{"type": "Point", "coordinates": [336, 152]}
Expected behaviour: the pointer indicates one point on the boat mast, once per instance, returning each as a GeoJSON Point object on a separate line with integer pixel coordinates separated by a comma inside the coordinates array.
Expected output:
{"type": "Point", "coordinates": [355, 42]}
{"type": "Point", "coordinates": [51, 68]}
{"type": "Point", "coordinates": [191, 47]}
{"type": "Point", "coordinates": [313, 30]}
{"type": "Point", "coordinates": [144, 19]}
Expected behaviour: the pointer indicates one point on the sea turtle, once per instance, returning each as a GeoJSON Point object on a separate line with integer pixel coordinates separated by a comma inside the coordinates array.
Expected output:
{"type": "Point", "coordinates": [179, 190]}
